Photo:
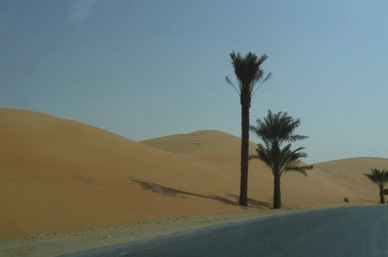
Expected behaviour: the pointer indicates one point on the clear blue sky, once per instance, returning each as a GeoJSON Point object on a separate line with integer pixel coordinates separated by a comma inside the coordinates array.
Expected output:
{"type": "Point", "coordinates": [144, 69]}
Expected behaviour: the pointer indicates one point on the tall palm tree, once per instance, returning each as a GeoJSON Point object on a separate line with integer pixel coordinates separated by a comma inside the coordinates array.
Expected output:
{"type": "Point", "coordinates": [248, 73]}
{"type": "Point", "coordinates": [274, 131]}
{"type": "Point", "coordinates": [380, 178]}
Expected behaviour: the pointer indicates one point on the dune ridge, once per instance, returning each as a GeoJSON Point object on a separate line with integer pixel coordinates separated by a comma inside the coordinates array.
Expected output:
{"type": "Point", "coordinates": [60, 175]}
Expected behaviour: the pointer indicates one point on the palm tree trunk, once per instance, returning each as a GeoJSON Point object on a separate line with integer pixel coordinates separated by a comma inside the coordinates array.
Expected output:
{"type": "Point", "coordinates": [277, 197]}
{"type": "Point", "coordinates": [382, 197]}
{"type": "Point", "coordinates": [244, 153]}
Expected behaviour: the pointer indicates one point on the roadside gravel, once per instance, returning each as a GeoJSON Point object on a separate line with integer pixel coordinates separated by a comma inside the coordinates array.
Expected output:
{"type": "Point", "coordinates": [55, 244]}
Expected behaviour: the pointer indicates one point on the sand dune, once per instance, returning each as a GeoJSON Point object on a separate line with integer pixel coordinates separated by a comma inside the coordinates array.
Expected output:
{"type": "Point", "coordinates": [327, 184]}
{"type": "Point", "coordinates": [59, 175]}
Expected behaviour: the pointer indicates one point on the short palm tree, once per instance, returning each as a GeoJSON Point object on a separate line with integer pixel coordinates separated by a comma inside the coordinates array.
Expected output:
{"type": "Point", "coordinates": [274, 131]}
{"type": "Point", "coordinates": [380, 178]}
{"type": "Point", "coordinates": [248, 73]}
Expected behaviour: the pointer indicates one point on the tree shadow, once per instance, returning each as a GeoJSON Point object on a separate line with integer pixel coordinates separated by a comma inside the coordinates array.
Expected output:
{"type": "Point", "coordinates": [173, 192]}
{"type": "Point", "coordinates": [369, 201]}
{"type": "Point", "coordinates": [253, 203]}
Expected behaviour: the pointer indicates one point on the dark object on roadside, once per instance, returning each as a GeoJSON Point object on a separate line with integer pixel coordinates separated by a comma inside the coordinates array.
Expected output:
{"type": "Point", "coordinates": [346, 200]}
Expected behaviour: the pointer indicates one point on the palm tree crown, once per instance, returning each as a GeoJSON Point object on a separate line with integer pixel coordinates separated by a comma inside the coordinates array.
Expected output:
{"type": "Point", "coordinates": [277, 128]}
{"type": "Point", "coordinates": [248, 73]}
{"type": "Point", "coordinates": [380, 178]}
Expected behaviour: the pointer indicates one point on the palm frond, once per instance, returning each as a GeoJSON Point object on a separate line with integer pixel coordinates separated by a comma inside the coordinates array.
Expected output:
{"type": "Point", "coordinates": [289, 160]}
{"type": "Point", "coordinates": [299, 169]}
{"type": "Point", "coordinates": [253, 157]}
{"type": "Point", "coordinates": [231, 84]}
{"type": "Point", "coordinates": [285, 158]}
{"type": "Point", "coordinates": [379, 177]}
{"type": "Point", "coordinates": [261, 83]}
{"type": "Point", "coordinates": [264, 154]}
{"type": "Point", "coordinates": [294, 138]}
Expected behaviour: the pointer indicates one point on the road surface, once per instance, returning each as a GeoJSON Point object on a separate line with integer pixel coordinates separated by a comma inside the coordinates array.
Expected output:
{"type": "Point", "coordinates": [352, 231]}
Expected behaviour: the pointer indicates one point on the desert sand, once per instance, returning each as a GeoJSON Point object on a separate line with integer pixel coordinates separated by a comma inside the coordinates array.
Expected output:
{"type": "Point", "coordinates": [61, 180]}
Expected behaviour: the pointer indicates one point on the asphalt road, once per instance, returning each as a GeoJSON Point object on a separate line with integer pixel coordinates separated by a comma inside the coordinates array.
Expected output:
{"type": "Point", "coordinates": [352, 231]}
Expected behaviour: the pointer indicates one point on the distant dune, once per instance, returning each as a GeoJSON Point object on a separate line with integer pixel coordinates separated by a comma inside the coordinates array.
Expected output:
{"type": "Point", "coordinates": [59, 175]}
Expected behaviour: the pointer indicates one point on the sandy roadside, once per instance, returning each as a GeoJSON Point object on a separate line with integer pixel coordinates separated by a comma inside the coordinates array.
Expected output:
{"type": "Point", "coordinates": [55, 244]}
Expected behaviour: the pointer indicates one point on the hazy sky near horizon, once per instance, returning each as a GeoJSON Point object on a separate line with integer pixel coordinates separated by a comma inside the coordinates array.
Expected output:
{"type": "Point", "coordinates": [145, 69]}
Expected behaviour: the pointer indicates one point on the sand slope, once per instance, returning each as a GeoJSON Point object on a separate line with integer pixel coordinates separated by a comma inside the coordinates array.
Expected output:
{"type": "Point", "coordinates": [327, 184]}
{"type": "Point", "coordinates": [58, 175]}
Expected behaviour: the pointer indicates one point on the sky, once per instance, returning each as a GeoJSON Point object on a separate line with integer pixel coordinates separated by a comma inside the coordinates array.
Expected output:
{"type": "Point", "coordinates": [146, 69]}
